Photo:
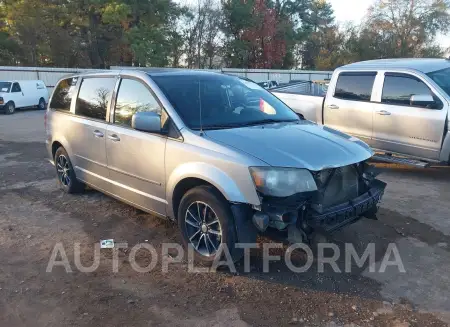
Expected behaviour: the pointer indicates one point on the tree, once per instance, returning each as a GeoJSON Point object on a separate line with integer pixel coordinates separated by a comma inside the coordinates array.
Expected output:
{"type": "Point", "coordinates": [209, 33]}
{"type": "Point", "coordinates": [319, 24]}
{"type": "Point", "coordinates": [406, 28]}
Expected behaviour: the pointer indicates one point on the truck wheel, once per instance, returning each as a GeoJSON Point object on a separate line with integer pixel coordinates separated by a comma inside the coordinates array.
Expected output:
{"type": "Point", "coordinates": [206, 222]}
{"type": "Point", "coordinates": [10, 108]}
{"type": "Point", "coordinates": [41, 105]}
{"type": "Point", "coordinates": [66, 175]}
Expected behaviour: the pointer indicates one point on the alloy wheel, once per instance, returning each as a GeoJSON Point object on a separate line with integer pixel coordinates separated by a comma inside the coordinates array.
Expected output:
{"type": "Point", "coordinates": [203, 228]}
{"type": "Point", "coordinates": [63, 168]}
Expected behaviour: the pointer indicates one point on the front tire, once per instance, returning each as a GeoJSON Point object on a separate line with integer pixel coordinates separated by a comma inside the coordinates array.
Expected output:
{"type": "Point", "coordinates": [66, 175]}
{"type": "Point", "coordinates": [10, 108]}
{"type": "Point", "coordinates": [206, 222]}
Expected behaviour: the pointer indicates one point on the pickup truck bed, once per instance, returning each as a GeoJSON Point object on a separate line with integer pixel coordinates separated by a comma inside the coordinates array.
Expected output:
{"type": "Point", "coordinates": [305, 98]}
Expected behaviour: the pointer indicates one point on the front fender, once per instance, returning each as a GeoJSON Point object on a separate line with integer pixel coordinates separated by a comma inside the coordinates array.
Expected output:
{"type": "Point", "coordinates": [445, 150]}
{"type": "Point", "coordinates": [243, 193]}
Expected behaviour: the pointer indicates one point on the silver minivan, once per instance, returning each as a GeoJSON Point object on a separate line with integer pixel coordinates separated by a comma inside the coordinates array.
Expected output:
{"type": "Point", "coordinates": [218, 154]}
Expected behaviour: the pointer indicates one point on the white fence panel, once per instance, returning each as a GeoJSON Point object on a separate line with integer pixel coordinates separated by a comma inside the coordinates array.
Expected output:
{"type": "Point", "coordinates": [50, 76]}
{"type": "Point", "coordinates": [17, 75]}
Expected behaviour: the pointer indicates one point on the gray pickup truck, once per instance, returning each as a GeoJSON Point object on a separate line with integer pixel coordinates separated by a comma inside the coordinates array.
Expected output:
{"type": "Point", "coordinates": [397, 106]}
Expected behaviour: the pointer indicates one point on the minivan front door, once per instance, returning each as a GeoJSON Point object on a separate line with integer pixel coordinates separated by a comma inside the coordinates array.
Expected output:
{"type": "Point", "coordinates": [405, 127]}
{"type": "Point", "coordinates": [135, 158]}
{"type": "Point", "coordinates": [87, 132]}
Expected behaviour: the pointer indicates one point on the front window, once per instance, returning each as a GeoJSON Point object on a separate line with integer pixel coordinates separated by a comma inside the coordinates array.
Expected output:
{"type": "Point", "coordinates": [16, 88]}
{"type": "Point", "coordinates": [442, 78]}
{"type": "Point", "coordinates": [5, 86]}
{"type": "Point", "coordinates": [221, 101]}
{"type": "Point", "coordinates": [133, 97]}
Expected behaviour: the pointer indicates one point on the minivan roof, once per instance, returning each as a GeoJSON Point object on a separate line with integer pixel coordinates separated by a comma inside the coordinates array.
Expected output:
{"type": "Point", "coordinates": [22, 80]}
{"type": "Point", "coordinates": [424, 65]}
{"type": "Point", "coordinates": [152, 72]}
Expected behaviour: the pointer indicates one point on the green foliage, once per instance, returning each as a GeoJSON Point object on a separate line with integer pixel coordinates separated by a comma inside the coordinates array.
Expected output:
{"type": "Point", "coordinates": [209, 34]}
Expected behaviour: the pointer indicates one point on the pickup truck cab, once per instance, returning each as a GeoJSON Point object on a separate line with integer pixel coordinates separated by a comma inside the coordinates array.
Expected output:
{"type": "Point", "coordinates": [22, 94]}
{"type": "Point", "coordinates": [397, 106]}
{"type": "Point", "coordinates": [218, 154]}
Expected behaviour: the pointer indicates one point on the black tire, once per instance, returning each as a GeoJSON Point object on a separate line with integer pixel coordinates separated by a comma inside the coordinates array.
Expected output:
{"type": "Point", "coordinates": [65, 173]}
{"type": "Point", "coordinates": [10, 108]}
{"type": "Point", "coordinates": [41, 104]}
{"type": "Point", "coordinates": [219, 207]}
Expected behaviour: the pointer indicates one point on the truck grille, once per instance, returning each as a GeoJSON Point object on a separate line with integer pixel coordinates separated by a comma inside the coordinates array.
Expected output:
{"type": "Point", "coordinates": [337, 185]}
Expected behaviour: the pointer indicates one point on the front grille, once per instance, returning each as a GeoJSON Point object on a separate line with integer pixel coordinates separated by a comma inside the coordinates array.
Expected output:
{"type": "Point", "coordinates": [337, 185]}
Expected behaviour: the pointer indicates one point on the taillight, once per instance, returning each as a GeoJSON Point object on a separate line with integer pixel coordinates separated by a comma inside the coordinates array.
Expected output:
{"type": "Point", "coordinates": [2, 101]}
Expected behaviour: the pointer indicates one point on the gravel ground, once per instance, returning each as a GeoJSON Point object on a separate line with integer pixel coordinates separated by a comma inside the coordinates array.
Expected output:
{"type": "Point", "coordinates": [35, 215]}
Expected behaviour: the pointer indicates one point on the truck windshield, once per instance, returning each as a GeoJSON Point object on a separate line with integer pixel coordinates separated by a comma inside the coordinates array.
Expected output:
{"type": "Point", "coordinates": [442, 78]}
{"type": "Point", "coordinates": [4, 87]}
{"type": "Point", "coordinates": [214, 101]}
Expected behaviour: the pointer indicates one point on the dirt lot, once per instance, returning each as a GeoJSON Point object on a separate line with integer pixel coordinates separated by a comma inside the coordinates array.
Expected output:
{"type": "Point", "coordinates": [35, 215]}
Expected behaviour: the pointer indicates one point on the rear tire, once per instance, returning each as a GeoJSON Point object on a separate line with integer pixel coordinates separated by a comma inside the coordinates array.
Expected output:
{"type": "Point", "coordinates": [10, 108]}
{"type": "Point", "coordinates": [65, 173]}
{"type": "Point", "coordinates": [41, 104]}
{"type": "Point", "coordinates": [208, 224]}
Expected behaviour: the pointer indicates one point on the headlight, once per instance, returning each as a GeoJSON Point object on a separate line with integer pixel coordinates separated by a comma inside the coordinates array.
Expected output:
{"type": "Point", "coordinates": [282, 182]}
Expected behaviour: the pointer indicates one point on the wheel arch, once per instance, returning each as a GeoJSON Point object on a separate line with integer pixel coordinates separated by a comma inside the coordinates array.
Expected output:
{"type": "Point", "coordinates": [445, 150]}
{"type": "Point", "coordinates": [183, 187]}
{"type": "Point", "coordinates": [61, 142]}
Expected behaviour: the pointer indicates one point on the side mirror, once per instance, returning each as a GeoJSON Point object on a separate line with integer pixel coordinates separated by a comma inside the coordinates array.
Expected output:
{"type": "Point", "coordinates": [146, 122]}
{"type": "Point", "coordinates": [421, 100]}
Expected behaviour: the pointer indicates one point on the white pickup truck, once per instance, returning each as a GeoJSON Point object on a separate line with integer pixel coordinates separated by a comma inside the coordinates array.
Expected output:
{"type": "Point", "coordinates": [397, 106]}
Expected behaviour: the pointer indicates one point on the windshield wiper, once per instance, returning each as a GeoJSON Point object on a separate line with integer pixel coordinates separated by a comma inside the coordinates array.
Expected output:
{"type": "Point", "coordinates": [246, 124]}
{"type": "Point", "coordinates": [270, 121]}
{"type": "Point", "coordinates": [222, 126]}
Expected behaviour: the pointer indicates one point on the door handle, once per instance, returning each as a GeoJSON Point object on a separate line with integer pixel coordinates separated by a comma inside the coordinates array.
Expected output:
{"type": "Point", "coordinates": [333, 106]}
{"type": "Point", "coordinates": [97, 133]}
{"type": "Point", "coordinates": [384, 113]}
{"type": "Point", "coordinates": [114, 138]}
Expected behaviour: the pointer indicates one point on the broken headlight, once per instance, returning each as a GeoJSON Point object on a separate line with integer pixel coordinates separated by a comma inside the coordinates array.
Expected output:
{"type": "Point", "coordinates": [282, 182]}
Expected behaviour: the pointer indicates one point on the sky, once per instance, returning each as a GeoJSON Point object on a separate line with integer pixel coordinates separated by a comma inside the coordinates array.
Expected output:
{"type": "Point", "coordinates": [355, 10]}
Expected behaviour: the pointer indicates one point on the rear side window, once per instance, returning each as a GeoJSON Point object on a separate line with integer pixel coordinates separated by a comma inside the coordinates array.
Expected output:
{"type": "Point", "coordinates": [398, 89]}
{"type": "Point", "coordinates": [355, 86]}
{"type": "Point", "coordinates": [94, 97]}
{"type": "Point", "coordinates": [63, 94]}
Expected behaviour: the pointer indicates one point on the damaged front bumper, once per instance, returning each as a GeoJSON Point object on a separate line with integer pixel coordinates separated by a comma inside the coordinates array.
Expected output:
{"type": "Point", "coordinates": [318, 211]}
{"type": "Point", "coordinates": [336, 217]}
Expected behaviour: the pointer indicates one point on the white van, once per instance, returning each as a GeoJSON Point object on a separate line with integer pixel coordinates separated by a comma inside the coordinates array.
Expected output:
{"type": "Point", "coordinates": [22, 94]}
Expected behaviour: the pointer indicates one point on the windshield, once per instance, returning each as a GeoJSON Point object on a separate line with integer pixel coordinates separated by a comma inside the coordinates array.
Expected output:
{"type": "Point", "coordinates": [5, 86]}
{"type": "Point", "coordinates": [223, 101]}
{"type": "Point", "coordinates": [442, 78]}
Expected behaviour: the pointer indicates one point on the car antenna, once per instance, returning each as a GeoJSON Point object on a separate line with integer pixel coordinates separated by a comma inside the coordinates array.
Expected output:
{"type": "Point", "coordinates": [200, 102]}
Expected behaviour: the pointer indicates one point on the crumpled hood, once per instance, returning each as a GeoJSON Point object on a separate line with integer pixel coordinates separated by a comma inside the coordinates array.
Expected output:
{"type": "Point", "coordinates": [303, 145]}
